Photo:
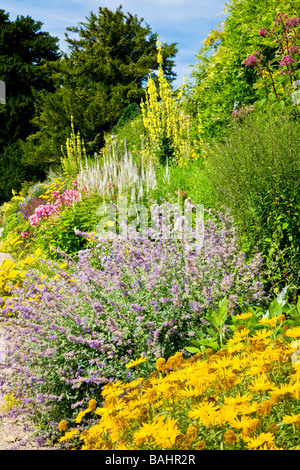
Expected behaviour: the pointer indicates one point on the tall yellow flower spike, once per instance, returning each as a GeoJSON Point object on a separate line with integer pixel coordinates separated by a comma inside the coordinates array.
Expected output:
{"type": "Point", "coordinates": [163, 117]}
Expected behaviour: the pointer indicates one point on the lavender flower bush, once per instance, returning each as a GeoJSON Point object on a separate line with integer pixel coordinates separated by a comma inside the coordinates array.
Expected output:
{"type": "Point", "coordinates": [75, 327]}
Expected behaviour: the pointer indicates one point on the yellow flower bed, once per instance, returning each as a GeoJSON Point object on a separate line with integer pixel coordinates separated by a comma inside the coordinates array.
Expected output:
{"type": "Point", "coordinates": [245, 396]}
{"type": "Point", "coordinates": [13, 272]}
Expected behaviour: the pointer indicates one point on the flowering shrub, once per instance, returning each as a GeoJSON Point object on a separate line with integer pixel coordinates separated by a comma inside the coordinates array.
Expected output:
{"type": "Point", "coordinates": [76, 153]}
{"type": "Point", "coordinates": [59, 231]}
{"type": "Point", "coordinates": [240, 113]}
{"type": "Point", "coordinates": [12, 274]}
{"type": "Point", "coordinates": [166, 123]}
{"type": "Point", "coordinates": [44, 211]}
{"type": "Point", "coordinates": [245, 396]}
{"type": "Point", "coordinates": [284, 33]}
{"type": "Point", "coordinates": [28, 207]}
{"type": "Point", "coordinates": [116, 177]}
{"type": "Point", "coordinates": [124, 299]}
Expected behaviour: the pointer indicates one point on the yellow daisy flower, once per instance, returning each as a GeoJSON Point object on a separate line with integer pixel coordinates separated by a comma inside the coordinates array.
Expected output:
{"type": "Point", "coordinates": [69, 435]}
{"type": "Point", "coordinates": [288, 419]}
{"type": "Point", "coordinates": [260, 384]}
{"type": "Point", "coordinates": [262, 439]}
{"type": "Point", "coordinates": [293, 332]}
{"type": "Point", "coordinates": [244, 316]}
{"type": "Point", "coordinates": [136, 362]}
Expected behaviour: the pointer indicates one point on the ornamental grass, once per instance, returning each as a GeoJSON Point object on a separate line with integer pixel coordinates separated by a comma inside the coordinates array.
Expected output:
{"type": "Point", "coordinates": [244, 396]}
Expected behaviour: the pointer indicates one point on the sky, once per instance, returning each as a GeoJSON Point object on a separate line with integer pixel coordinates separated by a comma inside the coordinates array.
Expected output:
{"type": "Point", "coordinates": [186, 22]}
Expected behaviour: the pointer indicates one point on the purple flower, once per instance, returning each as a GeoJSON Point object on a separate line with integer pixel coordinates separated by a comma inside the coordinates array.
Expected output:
{"type": "Point", "coordinates": [279, 18]}
{"type": "Point", "coordinates": [286, 60]}
{"type": "Point", "coordinates": [263, 32]}
{"type": "Point", "coordinates": [292, 22]}
{"type": "Point", "coordinates": [251, 60]}
{"type": "Point", "coordinates": [294, 49]}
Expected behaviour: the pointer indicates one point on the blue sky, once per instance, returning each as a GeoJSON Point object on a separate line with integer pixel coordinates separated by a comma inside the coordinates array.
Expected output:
{"type": "Point", "coordinates": [186, 22]}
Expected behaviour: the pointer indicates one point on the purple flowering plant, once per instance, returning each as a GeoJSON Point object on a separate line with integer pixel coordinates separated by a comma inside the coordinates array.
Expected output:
{"type": "Point", "coordinates": [285, 37]}
{"type": "Point", "coordinates": [75, 327]}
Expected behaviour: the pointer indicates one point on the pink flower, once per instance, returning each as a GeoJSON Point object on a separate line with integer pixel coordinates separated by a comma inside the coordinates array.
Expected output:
{"type": "Point", "coordinates": [251, 60]}
{"type": "Point", "coordinates": [292, 22]}
{"type": "Point", "coordinates": [263, 32]}
{"type": "Point", "coordinates": [47, 210]}
{"type": "Point", "coordinates": [24, 234]}
{"type": "Point", "coordinates": [294, 49]}
{"type": "Point", "coordinates": [55, 194]}
{"type": "Point", "coordinates": [278, 18]}
{"type": "Point", "coordinates": [286, 60]}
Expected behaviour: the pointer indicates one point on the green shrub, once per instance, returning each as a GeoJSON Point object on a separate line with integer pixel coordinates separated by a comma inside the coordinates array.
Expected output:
{"type": "Point", "coordinates": [190, 180]}
{"type": "Point", "coordinates": [60, 233]}
{"type": "Point", "coordinates": [255, 173]}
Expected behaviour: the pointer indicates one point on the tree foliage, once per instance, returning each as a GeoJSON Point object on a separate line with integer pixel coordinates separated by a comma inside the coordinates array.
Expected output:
{"type": "Point", "coordinates": [104, 71]}
{"type": "Point", "coordinates": [222, 81]}
{"type": "Point", "coordinates": [25, 52]}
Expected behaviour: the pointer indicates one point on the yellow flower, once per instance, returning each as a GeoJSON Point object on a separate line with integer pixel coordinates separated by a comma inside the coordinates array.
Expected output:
{"type": "Point", "coordinates": [262, 439]}
{"type": "Point", "coordinates": [247, 408]}
{"type": "Point", "coordinates": [269, 321]}
{"type": "Point", "coordinates": [260, 384]}
{"type": "Point", "coordinates": [222, 362]}
{"type": "Point", "coordinates": [239, 335]}
{"type": "Point", "coordinates": [245, 423]}
{"type": "Point", "coordinates": [206, 412]}
{"type": "Point", "coordinates": [278, 392]}
{"type": "Point", "coordinates": [111, 401]}
{"type": "Point", "coordinates": [192, 432]}
{"type": "Point", "coordinates": [171, 363]}
{"type": "Point", "coordinates": [148, 430]}
{"type": "Point", "coordinates": [62, 426]}
{"type": "Point", "coordinates": [201, 445]}
{"type": "Point", "coordinates": [293, 332]}
{"type": "Point", "coordinates": [229, 437]}
{"type": "Point", "coordinates": [191, 391]}
{"type": "Point", "coordinates": [261, 335]}
{"type": "Point", "coordinates": [134, 383]}
{"type": "Point", "coordinates": [80, 415]}
{"type": "Point", "coordinates": [92, 404]}
{"type": "Point", "coordinates": [166, 435]}
{"type": "Point", "coordinates": [264, 408]}
{"type": "Point", "coordinates": [237, 400]}
{"type": "Point", "coordinates": [136, 362]}
{"type": "Point", "coordinates": [69, 435]}
{"type": "Point", "coordinates": [288, 419]}
{"type": "Point", "coordinates": [244, 316]}
{"type": "Point", "coordinates": [160, 364]}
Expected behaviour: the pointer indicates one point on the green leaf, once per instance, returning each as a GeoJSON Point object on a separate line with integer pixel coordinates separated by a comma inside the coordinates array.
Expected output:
{"type": "Point", "coordinates": [298, 305]}
{"type": "Point", "coordinates": [275, 308]}
{"type": "Point", "coordinates": [222, 311]}
{"type": "Point", "coordinates": [195, 342]}
{"type": "Point", "coordinates": [192, 350]}
{"type": "Point", "coordinates": [199, 333]}
{"type": "Point", "coordinates": [211, 332]}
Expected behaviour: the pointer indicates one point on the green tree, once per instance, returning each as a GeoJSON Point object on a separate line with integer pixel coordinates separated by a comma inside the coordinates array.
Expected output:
{"type": "Point", "coordinates": [24, 54]}
{"type": "Point", "coordinates": [221, 80]}
{"type": "Point", "coordinates": [105, 70]}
